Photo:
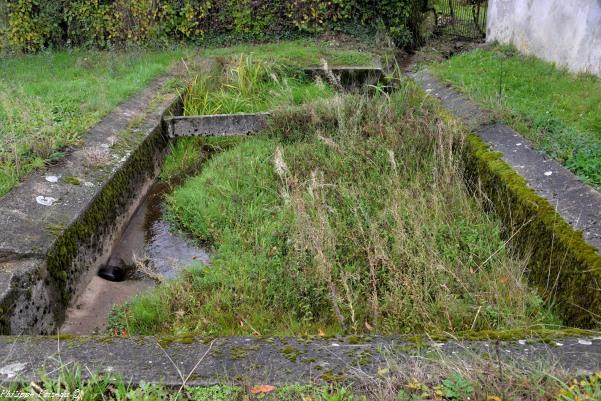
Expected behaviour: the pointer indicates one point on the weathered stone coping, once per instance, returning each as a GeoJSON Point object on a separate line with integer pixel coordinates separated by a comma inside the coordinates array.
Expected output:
{"type": "Point", "coordinates": [556, 219]}
{"type": "Point", "coordinates": [58, 226]}
{"type": "Point", "coordinates": [216, 125]}
{"type": "Point", "coordinates": [278, 361]}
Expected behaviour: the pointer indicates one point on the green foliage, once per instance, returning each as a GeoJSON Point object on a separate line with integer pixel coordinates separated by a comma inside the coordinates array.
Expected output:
{"type": "Point", "coordinates": [584, 389]}
{"type": "Point", "coordinates": [69, 382]}
{"type": "Point", "coordinates": [215, 393]}
{"type": "Point", "coordinates": [456, 388]}
{"type": "Point", "coordinates": [35, 24]}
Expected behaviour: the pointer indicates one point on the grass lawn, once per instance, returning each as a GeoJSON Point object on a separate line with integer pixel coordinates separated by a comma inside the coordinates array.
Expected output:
{"type": "Point", "coordinates": [298, 52]}
{"type": "Point", "coordinates": [558, 111]}
{"type": "Point", "coordinates": [48, 100]}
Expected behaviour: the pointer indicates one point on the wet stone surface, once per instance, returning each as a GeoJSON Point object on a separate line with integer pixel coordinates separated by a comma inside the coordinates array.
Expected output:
{"type": "Point", "coordinates": [148, 240]}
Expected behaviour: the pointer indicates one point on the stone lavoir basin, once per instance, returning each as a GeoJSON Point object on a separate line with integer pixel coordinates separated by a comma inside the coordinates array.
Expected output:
{"type": "Point", "coordinates": [100, 210]}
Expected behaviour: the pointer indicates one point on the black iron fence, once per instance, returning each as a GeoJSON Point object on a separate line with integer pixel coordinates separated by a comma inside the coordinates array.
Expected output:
{"type": "Point", "coordinates": [461, 18]}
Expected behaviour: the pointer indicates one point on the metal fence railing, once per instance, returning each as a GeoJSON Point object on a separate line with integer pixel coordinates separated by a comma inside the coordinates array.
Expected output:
{"type": "Point", "coordinates": [462, 18]}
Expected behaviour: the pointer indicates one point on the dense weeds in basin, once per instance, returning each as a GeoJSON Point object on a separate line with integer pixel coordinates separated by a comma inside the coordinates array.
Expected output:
{"type": "Point", "coordinates": [350, 215]}
{"type": "Point", "coordinates": [244, 84]}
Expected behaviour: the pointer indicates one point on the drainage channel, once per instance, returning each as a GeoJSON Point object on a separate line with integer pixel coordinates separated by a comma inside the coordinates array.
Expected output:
{"type": "Point", "coordinates": [147, 251]}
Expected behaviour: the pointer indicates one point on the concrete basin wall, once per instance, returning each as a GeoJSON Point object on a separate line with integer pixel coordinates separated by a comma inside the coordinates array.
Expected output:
{"type": "Point", "coordinates": [198, 361]}
{"type": "Point", "coordinates": [58, 227]}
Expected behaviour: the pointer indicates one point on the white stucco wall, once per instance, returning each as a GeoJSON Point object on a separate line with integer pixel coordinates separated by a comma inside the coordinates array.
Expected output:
{"type": "Point", "coordinates": [566, 32]}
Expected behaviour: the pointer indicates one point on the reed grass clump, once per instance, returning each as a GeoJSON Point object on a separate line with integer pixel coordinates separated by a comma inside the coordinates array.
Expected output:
{"type": "Point", "coordinates": [244, 84]}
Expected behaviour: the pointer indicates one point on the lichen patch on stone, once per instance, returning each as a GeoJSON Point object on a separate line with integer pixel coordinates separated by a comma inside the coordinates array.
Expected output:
{"type": "Point", "coordinates": [45, 200]}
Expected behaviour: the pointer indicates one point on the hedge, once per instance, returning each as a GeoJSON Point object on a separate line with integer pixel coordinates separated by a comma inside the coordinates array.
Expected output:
{"type": "Point", "coordinates": [32, 25]}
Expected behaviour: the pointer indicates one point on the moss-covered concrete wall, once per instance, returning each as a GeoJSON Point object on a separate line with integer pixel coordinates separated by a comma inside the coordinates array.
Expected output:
{"type": "Point", "coordinates": [61, 224]}
{"type": "Point", "coordinates": [565, 268]}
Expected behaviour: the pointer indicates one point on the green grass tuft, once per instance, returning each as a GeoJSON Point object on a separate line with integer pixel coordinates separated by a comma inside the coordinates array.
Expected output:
{"type": "Point", "coordinates": [248, 85]}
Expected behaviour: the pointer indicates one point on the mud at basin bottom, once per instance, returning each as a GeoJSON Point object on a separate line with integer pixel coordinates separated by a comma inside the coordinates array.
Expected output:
{"type": "Point", "coordinates": [147, 252]}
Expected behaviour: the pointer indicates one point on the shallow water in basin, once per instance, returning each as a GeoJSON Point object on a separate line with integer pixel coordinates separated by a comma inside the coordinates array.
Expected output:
{"type": "Point", "coordinates": [147, 238]}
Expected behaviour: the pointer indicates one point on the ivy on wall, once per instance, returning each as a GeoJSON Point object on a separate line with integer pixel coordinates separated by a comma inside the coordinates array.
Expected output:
{"type": "Point", "coordinates": [31, 25]}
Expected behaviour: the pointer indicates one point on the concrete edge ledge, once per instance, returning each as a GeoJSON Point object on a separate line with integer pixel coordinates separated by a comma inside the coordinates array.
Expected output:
{"type": "Point", "coordinates": [278, 361]}
{"type": "Point", "coordinates": [64, 220]}
{"type": "Point", "coordinates": [554, 218]}
{"type": "Point", "coordinates": [216, 125]}
{"type": "Point", "coordinates": [349, 76]}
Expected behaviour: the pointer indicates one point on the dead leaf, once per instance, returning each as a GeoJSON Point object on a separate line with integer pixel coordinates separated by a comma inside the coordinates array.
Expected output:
{"type": "Point", "coordinates": [368, 326]}
{"type": "Point", "coordinates": [264, 388]}
{"type": "Point", "coordinates": [321, 333]}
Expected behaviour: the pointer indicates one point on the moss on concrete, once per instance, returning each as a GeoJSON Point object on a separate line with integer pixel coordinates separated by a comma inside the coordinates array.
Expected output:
{"type": "Point", "coordinates": [166, 341]}
{"type": "Point", "coordinates": [291, 353]}
{"type": "Point", "coordinates": [561, 264]}
{"type": "Point", "coordinates": [72, 180]}
{"type": "Point", "coordinates": [98, 220]}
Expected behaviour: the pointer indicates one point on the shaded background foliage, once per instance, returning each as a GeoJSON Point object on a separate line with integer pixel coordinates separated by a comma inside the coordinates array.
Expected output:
{"type": "Point", "coordinates": [32, 25]}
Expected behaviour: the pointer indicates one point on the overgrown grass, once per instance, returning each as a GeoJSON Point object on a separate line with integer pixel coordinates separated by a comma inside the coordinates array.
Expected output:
{"type": "Point", "coordinates": [558, 111]}
{"type": "Point", "coordinates": [248, 85]}
{"type": "Point", "coordinates": [298, 53]}
{"type": "Point", "coordinates": [350, 216]}
{"type": "Point", "coordinates": [71, 384]}
{"type": "Point", "coordinates": [401, 378]}
{"type": "Point", "coordinates": [48, 100]}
